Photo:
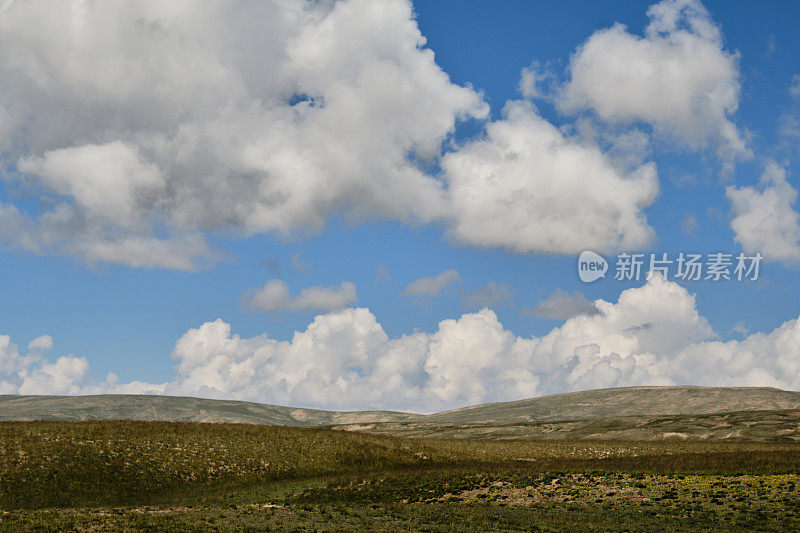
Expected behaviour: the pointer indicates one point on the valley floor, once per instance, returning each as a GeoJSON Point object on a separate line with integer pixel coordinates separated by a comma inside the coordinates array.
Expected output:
{"type": "Point", "coordinates": [99, 476]}
{"type": "Point", "coordinates": [446, 500]}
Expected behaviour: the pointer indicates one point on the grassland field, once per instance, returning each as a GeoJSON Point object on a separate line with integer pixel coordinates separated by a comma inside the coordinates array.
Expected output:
{"type": "Point", "coordinates": [122, 475]}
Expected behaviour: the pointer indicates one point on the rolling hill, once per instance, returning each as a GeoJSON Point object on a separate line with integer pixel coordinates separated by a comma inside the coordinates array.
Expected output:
{"type": "Point", "coordinates": [747, 413]}
{"type": "Point", "coordinates": [753, 426]}
{"type": "Point", "coordinates": [178, 409]}
{"type": "Point", "coordinates": [628, 401]}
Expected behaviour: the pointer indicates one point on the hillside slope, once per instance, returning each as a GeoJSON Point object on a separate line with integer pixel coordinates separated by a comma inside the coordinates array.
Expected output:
{"type": "Point", "coordinates": [177, 409]}
{"type": "Point", "coordinates": [629, 401]}
{"type": "Point", "coordinates": [752, 426]}
{"type": "Point", "coordinates": [595, 404]}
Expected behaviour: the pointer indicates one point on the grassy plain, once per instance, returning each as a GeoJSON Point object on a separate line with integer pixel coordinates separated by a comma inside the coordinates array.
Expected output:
{"type": "Point", "coordinates": [238, 477]}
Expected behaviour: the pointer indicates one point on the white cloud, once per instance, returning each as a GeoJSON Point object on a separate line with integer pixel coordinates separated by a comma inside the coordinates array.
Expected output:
{"type": "Point", "coordinates": [628, 148]}
{"type": "Point", "coordinates": [42, 343]}
{"type": "Point", "coordinates": [10, 359]}
{"type": "Point", "coordinates": [189, 131]}
{"type": "Point", "coordinates": [275, 296]}
{"type": "Point", "coordinates": [431, 285]}
{"type": "Point", "coordinates": [763, 218]}
{"type": "Point", "coordinates": [528, 188]}
{"type": "Point", "coordinates": [794, 89]}
{"type": "Point", "coordinates": [346, 359]}
{"type": "Point", "coordinates": [677, 77]}
{"type": "Point", "coordinates": [186, 252]}
{"type": "Point", "coordinates": [29, 374]}
{"type": "Point", "coordinates": [789, 121]}
{"type": "Point", "coordinates": [65, 376]}
{"type": "Point", "coordinates": [563, 305]}
{"type": "Point", "coordinates": [740, 328]}
{"type": "Point", "coordinates": [789, 129]}
{"type": "Point", "coordinates": [653, 335]}
{"type": "Point", "coordinates": [143, 125]}
{"type": "Point", "coordinates": [532, 80]}
{"type": "Point", "coordinates": [105, 181]}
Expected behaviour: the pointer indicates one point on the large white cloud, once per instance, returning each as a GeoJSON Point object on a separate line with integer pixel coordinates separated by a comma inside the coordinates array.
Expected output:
{"type": "Point", "coordinates": [529, 188]}
{"type": "Point", "coordinates": [763, 217]}
{"type": "Point", "coordinates": [141, 127]}
{"type": "Point", "coordinates": [653, 335]}
{"type": "Point", "coordinates": [144, 124]}
{"type": "Point", "coordinates": [29, 374]}
{"type": "Point", "coordinates": [677, 77]}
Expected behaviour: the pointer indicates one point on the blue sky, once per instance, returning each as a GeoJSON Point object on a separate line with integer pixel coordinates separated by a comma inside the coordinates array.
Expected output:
{"type": "Point", "coordinates": [123, 311]}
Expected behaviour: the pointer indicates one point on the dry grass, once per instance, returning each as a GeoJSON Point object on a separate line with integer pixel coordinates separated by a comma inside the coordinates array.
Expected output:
{"type": "Point", "coordinates": [141, 475]}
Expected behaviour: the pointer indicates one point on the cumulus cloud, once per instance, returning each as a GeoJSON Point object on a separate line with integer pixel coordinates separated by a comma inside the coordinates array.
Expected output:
{"type": "Point", "coordinates": [534, 79]}
{"type": "Point", "coordinates": [652, 335]}
{"type": "Point", "coordinates": [431, 285]}
{"type": "Point", "coordinates": [41, 344]}
{"type": "Point", "coordinates": [28, 374]}
{"type": "Point", "coordinates": [103, 180]}
{"type": "Point", "coordinates": [528, 188]}
{"type": "Point", "coordinates": [563, 305]}
{"type": "Point", "coordinates": [677, 77]}
{"type": "Point", "coordinates": [763, 217]}
{"type": "Point", "coordinates": [240, 118]}
{"type": "Point", "coordinates": [275, 296]}
{"type": "Point", "coordinates": [346, 359]}
{"type": "Point", "coordinates": [63, 377]}
{"type": "Point", "coordinates": [143, 125]}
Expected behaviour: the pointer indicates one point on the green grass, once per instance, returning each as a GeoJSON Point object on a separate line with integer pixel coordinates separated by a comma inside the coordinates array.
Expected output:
{"type": "Point", "coordinates": [187, 476]}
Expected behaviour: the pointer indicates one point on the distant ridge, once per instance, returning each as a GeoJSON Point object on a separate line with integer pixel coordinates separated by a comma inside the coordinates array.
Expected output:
{"type": "Point", "coordinates": [593, 404]}
{"type": "Point", "coordinates": [626, 401]}
{"type": "Point", "coordinates": [177, 409]}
